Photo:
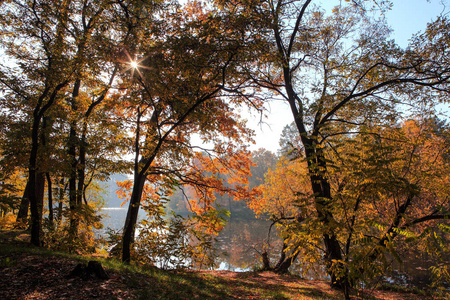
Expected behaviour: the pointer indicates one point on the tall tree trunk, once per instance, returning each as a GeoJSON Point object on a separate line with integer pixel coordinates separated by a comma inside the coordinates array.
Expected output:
{"type": "Point", "coordinates": [317, 169]}
{"type": "Point", "coordinates": [73, 204]}
{"type": "Point", "coordinates": [50, 198]}
{"type": "Point", "coordinates": [135, 200]}
{"type": "Point", "coordinates": [40, 191]}
{"type": "Point", "coordinates": [60, 201]}
{"type": "Point", "coordinates": [322, 195]}
{"type": "Point", "coordinates": [34, 206]}
{"type": "Point", "coordinates": [41, 176]}
{"type": "Point", "coordinates": [22, 215]}
{"type": "Point", "coordinates": [314, 156]}
{"type": "Point", "coordinates": [51, 90]}
{"type": "Point", "coordinates": [81, 174]}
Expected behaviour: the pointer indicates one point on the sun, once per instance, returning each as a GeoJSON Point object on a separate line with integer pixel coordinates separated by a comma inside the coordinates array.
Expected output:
{"type": "Point", "coordinates": [134, 64]}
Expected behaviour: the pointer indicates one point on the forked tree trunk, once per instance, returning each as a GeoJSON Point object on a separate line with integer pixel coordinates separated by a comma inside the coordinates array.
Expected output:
{"type": "Point", "coordinates": [285, 261]}
{"type": "Point", "coordinates": [22, 215]}
{"type": "Point", "coordinates": [32, 174]}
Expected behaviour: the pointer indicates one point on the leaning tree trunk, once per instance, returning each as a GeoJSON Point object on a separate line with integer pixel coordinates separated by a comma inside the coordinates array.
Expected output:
{"type": "Point", "coordinates": [136, 196]}
{"type": "Point", "coordinates": [317, 169]}
{"type": "Point", "coordinates": [285, 261]}
{"type": "Point", "coordinates": [132, 216]}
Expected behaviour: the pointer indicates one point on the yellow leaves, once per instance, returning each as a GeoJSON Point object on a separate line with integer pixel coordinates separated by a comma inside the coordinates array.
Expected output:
{"type": "Point", "coordinates": [285, 188]}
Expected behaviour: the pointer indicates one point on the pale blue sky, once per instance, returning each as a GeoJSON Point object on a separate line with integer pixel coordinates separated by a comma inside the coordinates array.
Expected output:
{"type": "Point", "coordinates": [406, 18]}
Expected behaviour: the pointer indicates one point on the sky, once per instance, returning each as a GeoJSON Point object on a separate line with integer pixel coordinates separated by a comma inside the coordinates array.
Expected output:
{"type": "Point", "coordinates": [407, 17]}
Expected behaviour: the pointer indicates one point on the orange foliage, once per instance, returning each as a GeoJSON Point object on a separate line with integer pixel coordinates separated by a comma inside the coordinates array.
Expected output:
{"type": "Point", "coordinates": [285, 188]}
{"type": "Point", "coordinates": [124, 191]}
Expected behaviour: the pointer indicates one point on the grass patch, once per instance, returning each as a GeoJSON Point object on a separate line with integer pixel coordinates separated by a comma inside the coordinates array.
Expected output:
{"type": "Point", "coordinates": [401, 289]}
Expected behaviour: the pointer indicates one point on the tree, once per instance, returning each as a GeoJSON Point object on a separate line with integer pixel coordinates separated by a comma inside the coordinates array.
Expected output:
{"type": "Point", "coordinates": [338, 73]}
{"type": "Point", "coordinates": [57, 79]}
{"type": "Point", "coordinates": [281, 200]}
{"type": "Point", "coordinates": [290, 144]}
{"type": "Point", "coordinates": [102, 29]}
{"type": "Point", "coordinates": [44, 72]}
{"type": "Point", "coordinates": [263, 161]}
{"type": "Point", "coordinates": [393, 189]}
{"type": "Point", "coordinates": [186, 81]}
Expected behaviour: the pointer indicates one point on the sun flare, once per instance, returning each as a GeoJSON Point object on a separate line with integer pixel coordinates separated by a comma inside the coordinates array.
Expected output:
{"type": "Point", "coordinates": [134, 64]}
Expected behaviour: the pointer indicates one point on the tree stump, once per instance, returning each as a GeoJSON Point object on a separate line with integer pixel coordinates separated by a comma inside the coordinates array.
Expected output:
{"type": "Point", "coordinates": [94, 269]}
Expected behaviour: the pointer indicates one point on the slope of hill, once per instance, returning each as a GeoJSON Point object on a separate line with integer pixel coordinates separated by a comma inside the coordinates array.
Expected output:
{"type": "Point", "coordinates": [34, 273]}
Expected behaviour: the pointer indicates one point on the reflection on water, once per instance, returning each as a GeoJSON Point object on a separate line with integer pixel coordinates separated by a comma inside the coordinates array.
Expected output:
{"type": "Point", "coordinates": [243, 241]}
{"type": "Point", "coordinates": [240, 243]}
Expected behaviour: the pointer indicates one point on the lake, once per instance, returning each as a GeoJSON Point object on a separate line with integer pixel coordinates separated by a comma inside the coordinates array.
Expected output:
{"type": "Point", "coordinates": [239, 242]}
{"type": "Point", "coordinates": [114, 217]}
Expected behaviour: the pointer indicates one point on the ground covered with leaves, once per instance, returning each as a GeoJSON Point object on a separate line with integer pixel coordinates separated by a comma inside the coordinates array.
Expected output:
{"type": "Point", "coordinates": [32, 273]}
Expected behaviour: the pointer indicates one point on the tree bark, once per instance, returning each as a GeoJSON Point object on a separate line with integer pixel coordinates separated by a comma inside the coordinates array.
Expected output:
{"type": "Point", "coordinates": [32, 173]}
{"type": "Point", "coordinates": [60, 201]}
{"type": "Point", "coordinates": [71, 151]}
{"type": "Point", "coordinates": [40, 191]}
{"type": "Point", "coordinates": [50, 198]}
{"type": "Point", "coordinates": [132, 215]}
{"type": "Point", "coordinates": [25, 203]}
{"type": "Point", "coordinates": [314, 156]}
{"type": "Point", "coordinates": [266, 261]}
{"type": "Point", "coordinates": [22, 215]}
{"type": "Point", "coordinates": [285, 261]}
{"type": "Point", "coordinates": [317, 170]}
{"type": "Point", "coordinates": [322, 195]}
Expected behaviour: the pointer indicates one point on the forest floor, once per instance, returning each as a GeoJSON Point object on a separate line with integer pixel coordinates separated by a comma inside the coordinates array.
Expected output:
{"type": "Point", "coordinates": [28, 272]}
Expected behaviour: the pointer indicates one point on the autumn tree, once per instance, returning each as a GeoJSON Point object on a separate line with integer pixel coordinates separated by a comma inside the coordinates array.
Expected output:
{"type": "Point", "coordinates": [391, 193]}
{"type": "Point", "coordinates": [339, 72]}
{"type": "Point", "coordinates": [187, 80]}
{"type": "Point", "coordinates": [106, 36]}
{"type": "Point", "coordinates": [42, 75]}
{"type": "Point", "coordinates": [279, 201]}
{"type": "Point", "coordinates": [393, 190]}
{"type": "Point", "coordinates": [57, 80]}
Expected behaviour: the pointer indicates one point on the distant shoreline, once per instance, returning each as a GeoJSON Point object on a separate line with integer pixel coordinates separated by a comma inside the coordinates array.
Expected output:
{"type": "Point", "coordinates": [113, 208]}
